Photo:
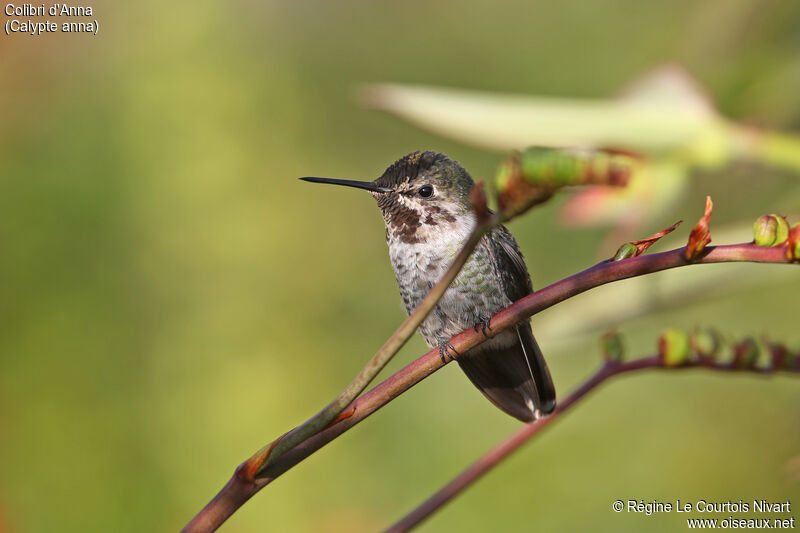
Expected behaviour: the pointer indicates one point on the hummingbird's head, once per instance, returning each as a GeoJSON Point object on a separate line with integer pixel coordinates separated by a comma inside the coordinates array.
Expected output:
{"type": "Point", "coordinates": [421, 194]}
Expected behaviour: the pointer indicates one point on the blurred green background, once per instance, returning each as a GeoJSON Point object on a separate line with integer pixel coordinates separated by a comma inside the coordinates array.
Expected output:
{"type": "Point", "coordinates": [172, 298]}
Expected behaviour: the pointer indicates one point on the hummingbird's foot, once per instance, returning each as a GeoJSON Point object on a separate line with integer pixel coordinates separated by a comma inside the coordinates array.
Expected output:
{"type": "Point", "coordinates": [484, 324]}
{"type": "Point", "coordinates": [444, 351]}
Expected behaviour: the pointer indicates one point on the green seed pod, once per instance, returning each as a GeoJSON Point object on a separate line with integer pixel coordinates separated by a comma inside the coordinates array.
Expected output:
{"type": "Point", "coordinates": [674, 347]}
{"type": "Point", "coordinates": [770, 230]}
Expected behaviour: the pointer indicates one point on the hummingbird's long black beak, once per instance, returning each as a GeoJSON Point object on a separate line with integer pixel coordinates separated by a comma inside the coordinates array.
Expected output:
{"type": "Point", "coordinates": [366, 185]}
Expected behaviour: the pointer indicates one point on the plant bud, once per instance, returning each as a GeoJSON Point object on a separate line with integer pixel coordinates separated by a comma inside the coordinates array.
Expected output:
{"type": "Point", "coordinates": [625, 251]}
{"type": "Point", "coordinates": [612, 346]}
{"type": "Point", "coordinates": [779, 354]}
{"type": "Point", "coordinates": [770, 230]}
{"type": "Point", "coordinates": [503, 175]}
{"type": "Point", "coordinates": [765, 229]}
{"type": "Point", "coordinates": [700, 235]}
{"type": "Point", "coordinates": [706, 342]}
{"type": "Point", "coordinates": [745, 353]}
{"type": "Point", "coordinates": [673, 347]}
{"type": "Point", "coordinates": [793, 250]}
{"type": "Point", "coordinates": [783, 229]}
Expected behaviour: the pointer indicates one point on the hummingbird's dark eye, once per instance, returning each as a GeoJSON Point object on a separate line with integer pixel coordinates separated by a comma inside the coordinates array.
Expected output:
{"type": "Point", "coordinates": [426, 191]}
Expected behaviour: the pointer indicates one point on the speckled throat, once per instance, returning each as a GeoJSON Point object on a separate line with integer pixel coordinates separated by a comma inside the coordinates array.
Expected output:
{"type": "Point", "coordinates": [408, 218]}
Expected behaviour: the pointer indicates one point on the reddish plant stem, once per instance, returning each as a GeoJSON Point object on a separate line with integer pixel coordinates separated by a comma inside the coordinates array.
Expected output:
{"type": "Point", "coordinates": [232, 496]}
{"type": "Point", "coordinates": [511, 444]}
{"type": "Point", "coordinates": [242, 486]}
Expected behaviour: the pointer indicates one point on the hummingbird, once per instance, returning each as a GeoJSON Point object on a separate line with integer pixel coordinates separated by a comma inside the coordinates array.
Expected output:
{"type": "Point", "coordinates": [424, 199]}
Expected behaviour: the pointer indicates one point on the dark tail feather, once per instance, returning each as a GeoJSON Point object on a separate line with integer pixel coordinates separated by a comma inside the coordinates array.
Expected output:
{"type": "Point", "coordinates": [505, 377]}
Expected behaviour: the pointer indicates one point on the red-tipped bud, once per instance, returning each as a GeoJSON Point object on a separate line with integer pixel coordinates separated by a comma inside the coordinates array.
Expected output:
{"type": "Point", "coordinates": [700, 236]}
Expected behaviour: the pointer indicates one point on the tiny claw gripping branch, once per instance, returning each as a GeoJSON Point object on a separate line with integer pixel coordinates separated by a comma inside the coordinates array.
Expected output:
{"type": "Point", "coordinates": [446, 349]}
{"type": "Point", "coordinates": [700, 236]}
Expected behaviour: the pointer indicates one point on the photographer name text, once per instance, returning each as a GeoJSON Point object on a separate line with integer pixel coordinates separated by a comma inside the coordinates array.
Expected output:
{"type": "Point", "coordinates": [702, 506]}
